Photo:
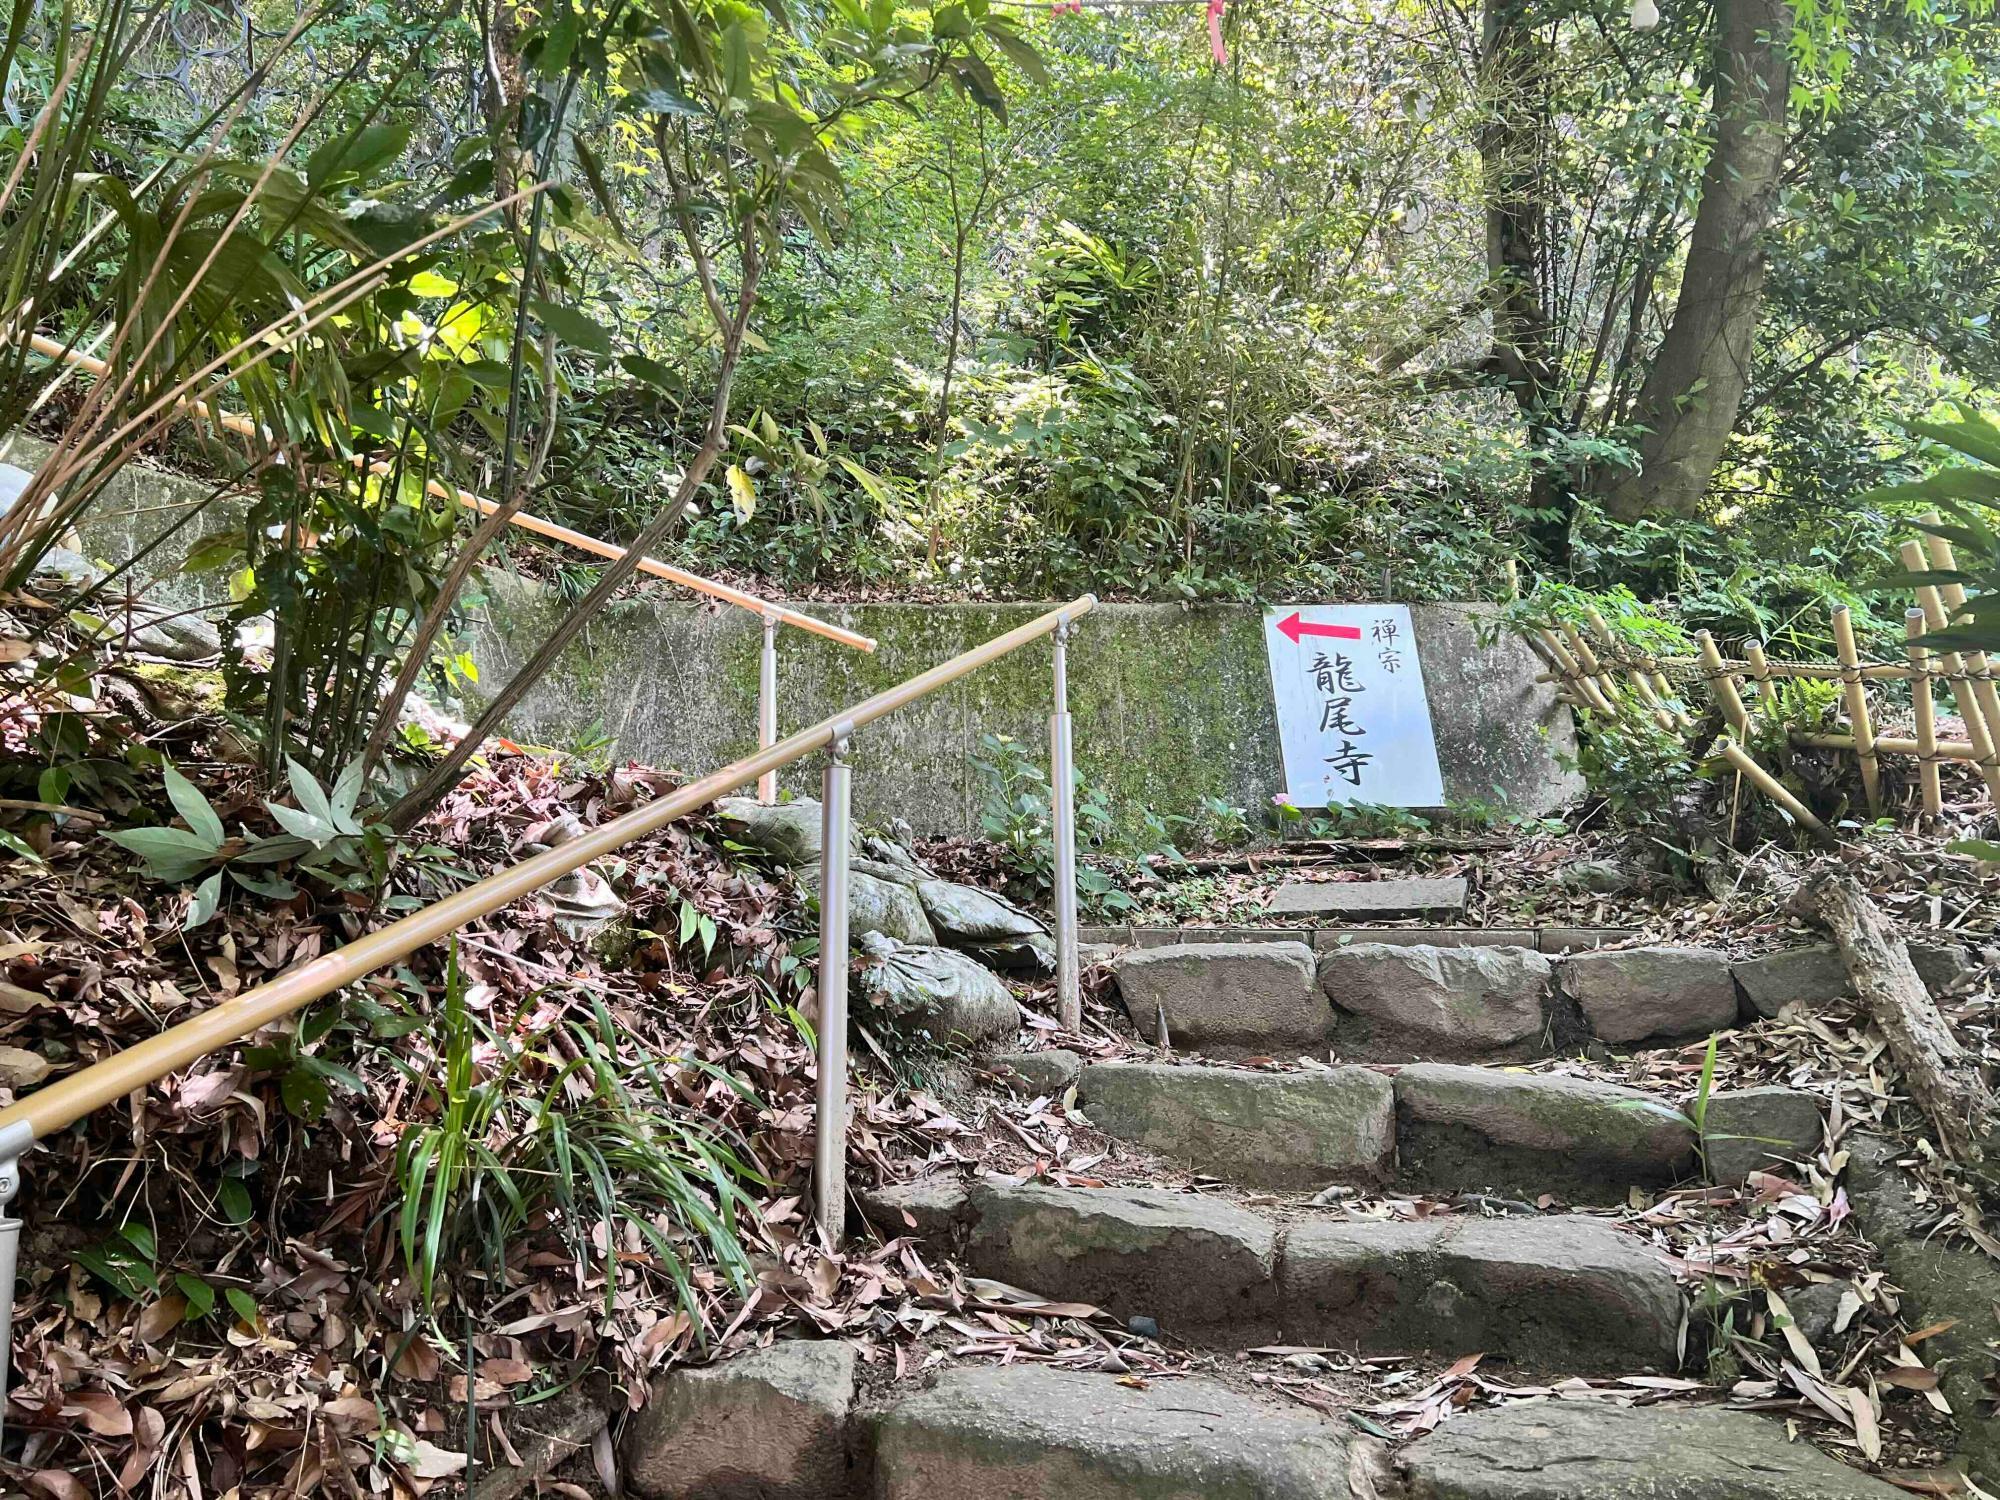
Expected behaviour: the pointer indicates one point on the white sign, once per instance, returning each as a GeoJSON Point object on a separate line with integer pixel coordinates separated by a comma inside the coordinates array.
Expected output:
{"type": "Point", "coordinates": [1352, 717]}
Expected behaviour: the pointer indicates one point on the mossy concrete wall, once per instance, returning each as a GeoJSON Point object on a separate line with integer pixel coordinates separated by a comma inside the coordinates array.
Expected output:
{"type": "Point", "coordinates": [1171, 704]}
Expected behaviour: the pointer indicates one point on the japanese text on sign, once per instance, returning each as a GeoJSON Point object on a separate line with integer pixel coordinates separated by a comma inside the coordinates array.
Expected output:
{"type": "Point", "coordinates": [1353, 721]}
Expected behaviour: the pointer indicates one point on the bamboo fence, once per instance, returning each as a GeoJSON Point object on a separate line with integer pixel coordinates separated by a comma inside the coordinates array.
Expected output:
{"type": "Point", "coordinates": [1598, 673]}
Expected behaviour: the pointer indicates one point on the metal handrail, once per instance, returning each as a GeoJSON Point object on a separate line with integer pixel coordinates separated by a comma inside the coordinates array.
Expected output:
{"type": "Point", "coordinates": [243, 426]}
{"type": "Point", "coordinates": [58, 1105]}
{"type": "Point", "coordinates": [773, 614]}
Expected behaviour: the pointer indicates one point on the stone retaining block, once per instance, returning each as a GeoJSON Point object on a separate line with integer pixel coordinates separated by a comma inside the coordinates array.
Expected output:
{"type": "Point", "coordinates": [1264, 1129]}
{"type": "Point", "coordinates": [1460, 999]}
{"type": "Point", "coordinates": [1563, 1450]}
{"type": "Point", "coordinates": [1567, 1292]}
{"type": "Point", "coordinates": [1184, 1260]}
{"type": "Point", "coordinates": [1632, 994]}
{"type": "Point", "coordinates": [1529, 1133]}
{"type": "Point", "coordinates": [772, 1423]}
{"type": "Point", "coordinates": [1243, 995]}
{"type": "Point", "coordinates": [1020, 1431]}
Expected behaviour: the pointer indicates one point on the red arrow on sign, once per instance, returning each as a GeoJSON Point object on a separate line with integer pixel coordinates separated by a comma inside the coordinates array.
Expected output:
{"type": "Point", "coordinates": [1295, 627]}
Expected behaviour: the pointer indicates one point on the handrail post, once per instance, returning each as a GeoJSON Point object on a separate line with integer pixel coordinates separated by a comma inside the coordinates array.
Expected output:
{"type": "Point", "coordinates": [15, 1140]}
{"type": "Point", "coordinates": [1062, 778]}
{"type": "Point", "coordinates": [767, 705]}
{"type": "Point", "coordinates": [830, 1122]}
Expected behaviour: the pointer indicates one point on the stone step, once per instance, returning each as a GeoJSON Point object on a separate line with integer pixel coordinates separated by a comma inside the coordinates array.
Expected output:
{"type": "Point", "coordinates": [1369, 899]}
{"type": "Point", "coordinates": [1440, 1127]}
{"type": "Point", "coordinates": [790, 1422]}
{"type": "Point", "coordinates": [1271, 993]}
{"type": "Point", "coordinates": [1563, 1292]}
{"type": "Point", "coordinates": [1023, 1433]}
{"type": "Point", "coordinates": [1576, 1450]}
{"type": "Point", "coordinates": [1385, 1001]}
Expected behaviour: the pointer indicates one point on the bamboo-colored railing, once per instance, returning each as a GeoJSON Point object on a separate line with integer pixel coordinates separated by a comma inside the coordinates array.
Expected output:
{"type": "Point", "coordinates": [1594, 669]}
{"type": "Point", "coordinates": [244, 427]}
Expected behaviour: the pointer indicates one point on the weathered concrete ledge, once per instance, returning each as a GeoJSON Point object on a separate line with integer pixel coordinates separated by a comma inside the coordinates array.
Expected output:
{"type": "Point", "coordinates": [1172, 704]}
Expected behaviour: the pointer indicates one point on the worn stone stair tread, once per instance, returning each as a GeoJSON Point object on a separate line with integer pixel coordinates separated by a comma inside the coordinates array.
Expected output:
{"type": "Point", "coordinates": [1439, 1127]}
{"type": "Point", "coordinates": [1414, 897]}
{"type": "Point", "coordinates": [1023, 1433]}
{"type": "Point", "coordinates": [1563, 1450]}
{"type": "Point", "coordinates": [1462, 1127]}
{"type": "Point", "coordinates": [1261, 1129]}
{"type": "Point", "coordinates": [1559, 1290]}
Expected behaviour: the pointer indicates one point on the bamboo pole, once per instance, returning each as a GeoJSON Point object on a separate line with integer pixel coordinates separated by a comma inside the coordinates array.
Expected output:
{"type": "Point", "coordinates": [1857, 709]}
{"type": "Point", "coordinates": [1770, 786]}
{"type": "Point", "coordinates": [1920, 697]}
{"type": "Point", "coordinates": [1886, 744]}
{"type": "Point", "coordinates": [1722, 686]}
{"type": "Point", "coordinates": [1978, 732]}
{"type": "Point", "coordinates": [244, 427]}
{"type": "Point", "coordinates": [1952, 596]}
{"type": "Point", "coordinates": [1580, 645]}
{"type": "Point", "coordinates": [1573, 675]}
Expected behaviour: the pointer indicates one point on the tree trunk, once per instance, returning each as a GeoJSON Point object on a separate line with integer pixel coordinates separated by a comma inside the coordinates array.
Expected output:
{"type": "Point", "coordinates": [1690, 399]}
{"type": "Point", "coordinates": [1941, 1077]}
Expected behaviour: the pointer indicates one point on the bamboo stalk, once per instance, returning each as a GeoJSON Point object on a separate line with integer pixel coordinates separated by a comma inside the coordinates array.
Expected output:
{"type": "Point", "coordinates": [1857, 709]}
{"type": "Point", "coordinates": [1770, 786]}
{"type": "Point", "coordinates": [1886, 744]}
{"type": "Point", "coordinates": [1977, 730]}
{"type": "Point", "coordinates": [1722, 686]}
{"type": "Point", "coordinates": [1952, 596]}
{"type": "Point", "coordinates": [1920, 697]}
{"type": "Point", "coordinates": [1587, 657]}
{"type": "Point", "coordinates": [1573, 675]}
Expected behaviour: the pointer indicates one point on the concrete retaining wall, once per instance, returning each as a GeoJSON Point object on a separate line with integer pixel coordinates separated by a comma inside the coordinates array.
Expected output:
{"type": "Point", "coordinates": [1172, 704]}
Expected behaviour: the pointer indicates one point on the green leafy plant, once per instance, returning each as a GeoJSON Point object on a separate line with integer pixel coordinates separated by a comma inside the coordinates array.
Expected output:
{"type": "Point", "coordinates": [574, 1138]}
{"type": "Point", "coordinates": [324, 836]}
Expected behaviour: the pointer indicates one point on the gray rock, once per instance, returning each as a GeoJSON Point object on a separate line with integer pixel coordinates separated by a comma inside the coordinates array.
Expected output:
{"type": "Point", "coordinates": [168, 633]}
{"type": "Point", "coordinates": [1600, 877]}
{"type": "Point", "coordinates": [1750, 1130]}
{"type": "Point", "coordinates": [73, 568]}
{"type": "Point", "coordinates": [1629, 994]}
{"type": "Point", "coordinates": [935, 990]}
{"type": "Point", "coordinates": [1567, 1291]}
{"type": "Point", "coordinates": [966, 916]}
{"type": "Point", "coordinates": [1245, 995]}
{"type": "Point", "coordinates": [929, 1207]}
{"type": "Point", "coordinates": [1022, 1431]}
{"type": "Point", "coordinates": [1266, 1129]}
{"type": "Point", "coordinates": [876, 905]}
{"type": "Point", "coordinates": [770, 1425]}
{"type": "Point", "coordinates": [1186, 1260]}
{"type": "Point", "coordinates": [1459, 997]}
{"type": "Point", "coordinates": [1809, 975]}
{"type": "Point", "coordinates": [1051, 1071]}
{"type": "Point", "coordinates": [897, 856]}
{"type": "Point", "coordinates": [1530, 1133]}
{"type": "Point", "coordinates": [787, 831]}
{"type": "Point", "coordinates": [1369, 898]}
{"type": "Point", "coordinates": [1575, 1450]}
{"type": "Point", "coordinates": [1940, 1281]}
{"type": "Point", "coordinates": [545, 1436]}
{"type": "Point", "coordinates": [1815, 1307]}
{"type": "Point", "coordinates": [1035, 954]}
{"type": "Point", "coordinates": [1944, 967]}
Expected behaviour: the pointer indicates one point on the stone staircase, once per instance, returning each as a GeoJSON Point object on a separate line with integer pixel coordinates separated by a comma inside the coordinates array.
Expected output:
{"type": "Point", "coordinates": [1260, 1253]}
